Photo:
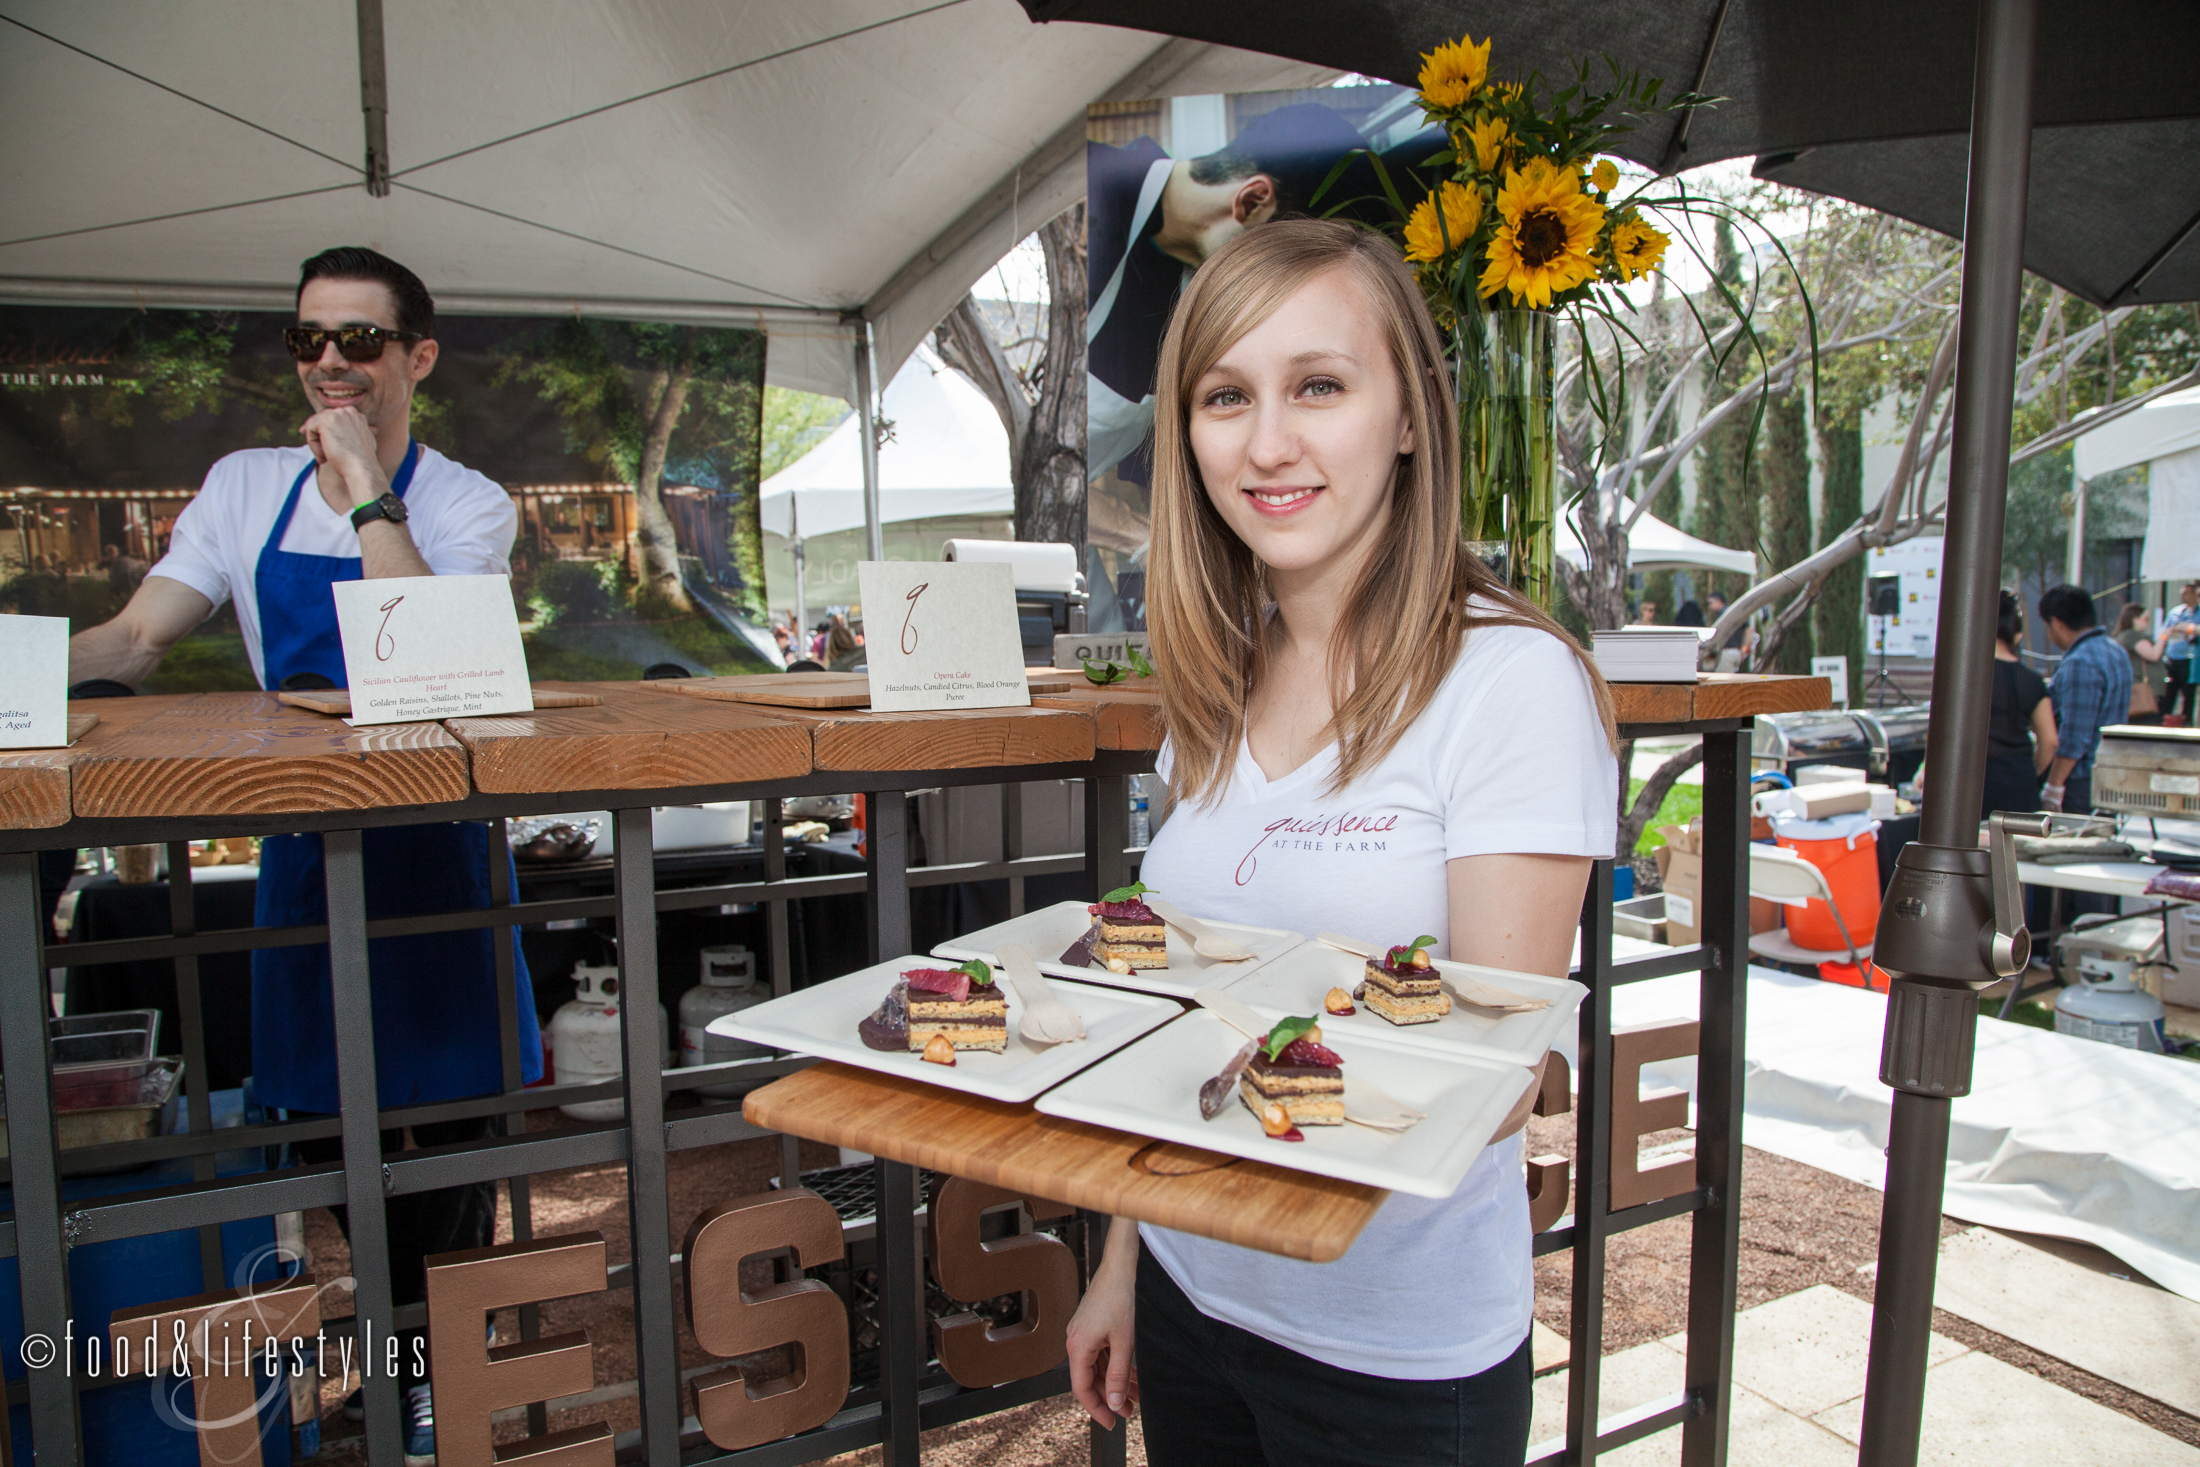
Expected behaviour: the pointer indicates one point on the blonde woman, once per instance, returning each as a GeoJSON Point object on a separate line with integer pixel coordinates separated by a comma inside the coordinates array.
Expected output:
{"type": "Point", "coordinates": [1330, 657]}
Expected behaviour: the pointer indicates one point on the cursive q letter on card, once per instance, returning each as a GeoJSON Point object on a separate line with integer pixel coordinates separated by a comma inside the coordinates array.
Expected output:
{"type": "Point", "coordinates": [385, 645]}
{"type": "Point", "coordinates": [908, 632]}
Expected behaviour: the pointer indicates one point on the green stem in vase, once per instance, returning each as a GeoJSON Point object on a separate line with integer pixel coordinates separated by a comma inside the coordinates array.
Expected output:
{"type": "Point", "coordinates": [1507, 439]}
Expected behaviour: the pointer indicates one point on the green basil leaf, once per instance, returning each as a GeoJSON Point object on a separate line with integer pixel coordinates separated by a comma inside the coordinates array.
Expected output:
{"type": "Point", "coordinates": [1102, 673]}
{"type": "Point", "coordinates": [981, 976]}
{"type": "Point", "coordinates": [1280, 1038]}
{"type": "Point", "coordinates": [1127, 893]}
{"type": "Point", "coordinates": [1139, 664]}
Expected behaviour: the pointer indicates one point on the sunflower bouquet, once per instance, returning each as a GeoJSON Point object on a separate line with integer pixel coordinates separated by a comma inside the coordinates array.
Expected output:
{"type": "Point", "coordinates": [1519, 221]}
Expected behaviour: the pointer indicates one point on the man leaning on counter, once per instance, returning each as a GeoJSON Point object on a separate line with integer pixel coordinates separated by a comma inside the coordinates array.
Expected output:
{"type": "Point", "coordinates": [273, 530]}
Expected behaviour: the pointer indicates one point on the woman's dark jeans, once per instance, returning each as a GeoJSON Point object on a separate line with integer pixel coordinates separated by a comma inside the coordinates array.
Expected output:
{"type": "Point", "coordinates": [1214, 1395]}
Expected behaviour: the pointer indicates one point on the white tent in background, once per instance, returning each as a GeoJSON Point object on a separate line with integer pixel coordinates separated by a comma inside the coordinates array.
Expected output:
{"type": "Point", "coordinates": [2165, 436]}
{"type": "Point", "coordinates": [948, 456]}
{"type": "Point", "coordinates": [819, 172]}
{"type": "Point", "coordinates": [1655, 545]}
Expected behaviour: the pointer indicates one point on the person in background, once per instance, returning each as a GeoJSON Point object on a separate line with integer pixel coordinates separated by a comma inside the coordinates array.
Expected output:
{"type": "Point", "coordinates": [1647, 614]}
{"type": "Point", "coordinates": [785, 640]}
{"type": "Point", "coordinates": [843, 648]}
{"type": "Point", "coordinates": [2176, 641]}
{"type": "Point", "coordinates": [2020, 734]}
{"type": "Point", "coordinates": [2092, 689]}
{"type": "Point", "coordinates": [1690, 615]}
{"type": "Point", "coordinates": [2146, 663]}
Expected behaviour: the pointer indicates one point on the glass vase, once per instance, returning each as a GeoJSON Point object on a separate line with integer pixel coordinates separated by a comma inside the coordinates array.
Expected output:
{"type": "Point", "coordinates": [1508, 446]}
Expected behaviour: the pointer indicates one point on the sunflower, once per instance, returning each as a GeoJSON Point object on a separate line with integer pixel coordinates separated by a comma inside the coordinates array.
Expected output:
{"type": "Point", "coordinates": [1429, 239]}
{"type": "Point", "coordinates": [1604, 175]}
{"type": "Point", "coordinates": [1491, 140]}
{"type": "Point", "coordinates": [1636, 248]}
{"type": "Point", "coordinates": [1542, 248]}
{"type": "Point", "coordinates": [1453, 73]}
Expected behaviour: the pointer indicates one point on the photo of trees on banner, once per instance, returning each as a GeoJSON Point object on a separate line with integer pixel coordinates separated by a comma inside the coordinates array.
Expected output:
{"type": "Point", "coordinates": [630, 450]}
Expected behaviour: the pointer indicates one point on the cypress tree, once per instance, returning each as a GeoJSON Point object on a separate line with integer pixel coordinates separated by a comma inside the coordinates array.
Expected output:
{"type": "Point", "coordinates": [1839, 614]}
{"type": "Point", "coordinates": [1785, 480]}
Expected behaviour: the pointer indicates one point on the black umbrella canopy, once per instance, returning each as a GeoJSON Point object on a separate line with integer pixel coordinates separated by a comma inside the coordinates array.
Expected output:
{"type": "Point", "coordinates": [1866, 100]}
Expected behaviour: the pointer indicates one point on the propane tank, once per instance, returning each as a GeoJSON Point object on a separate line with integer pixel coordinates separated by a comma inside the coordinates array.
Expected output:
{"type": "Point", "coordinates": [728, 986]}
{"type": "Point", "coordinates": [586, 1041]}
{"type": "Point", "coordinates": [2106, 1005]}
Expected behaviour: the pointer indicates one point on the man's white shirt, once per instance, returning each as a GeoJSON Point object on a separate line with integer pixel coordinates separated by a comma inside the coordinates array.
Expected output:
{"type": "Point", "coordinates": [462, 523]}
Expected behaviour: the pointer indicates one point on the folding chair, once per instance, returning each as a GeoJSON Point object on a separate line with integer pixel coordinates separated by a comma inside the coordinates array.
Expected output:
{"type": "Point", "coordinates": [1777, 874]}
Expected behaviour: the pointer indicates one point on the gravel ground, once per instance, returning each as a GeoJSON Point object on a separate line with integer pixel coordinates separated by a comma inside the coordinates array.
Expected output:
{"type": "Point", "coordinates": [1800, 1227]}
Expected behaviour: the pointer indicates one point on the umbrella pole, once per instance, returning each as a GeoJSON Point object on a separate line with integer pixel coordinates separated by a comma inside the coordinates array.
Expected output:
{"type": "Point", "coordinates": [1939, 932]}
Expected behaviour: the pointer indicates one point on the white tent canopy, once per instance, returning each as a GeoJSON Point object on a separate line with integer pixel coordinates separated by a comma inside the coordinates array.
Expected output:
{"type": "Point", "coordinates": [1655, 545]}
{"type": "Point", "coordinates": [948, 456]}
{"type": "Point", "coordinates": [2165, 436]}
{"type": "Point", "coordinates": [801, 168]}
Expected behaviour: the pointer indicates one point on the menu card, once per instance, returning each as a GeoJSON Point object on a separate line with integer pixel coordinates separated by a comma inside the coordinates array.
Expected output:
{"type": "Point", "coordinates": [942, 634]}
{"type": "Point", "coordinates": [425, 647]}
{"type": "Point", "coordinates": [34, 682]}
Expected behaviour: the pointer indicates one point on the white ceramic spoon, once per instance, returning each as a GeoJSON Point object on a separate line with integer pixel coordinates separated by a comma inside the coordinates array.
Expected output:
{"type": "Point", "coordinates": [1046, 1019]}
{"type": "Point", "coordinates": [1207, 942]}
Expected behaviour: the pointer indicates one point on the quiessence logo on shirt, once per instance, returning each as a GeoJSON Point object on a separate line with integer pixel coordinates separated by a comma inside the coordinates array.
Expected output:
{"type": "Point", "coordinates": [1345, 834]}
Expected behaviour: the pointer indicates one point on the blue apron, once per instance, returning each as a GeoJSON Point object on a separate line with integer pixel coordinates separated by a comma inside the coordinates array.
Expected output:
{"type": "Point", "coordinates": [435, 1001]}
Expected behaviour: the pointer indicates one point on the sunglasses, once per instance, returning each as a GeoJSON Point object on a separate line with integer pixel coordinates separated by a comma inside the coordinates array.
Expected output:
{"type": "Point", "coordinates": [355, 343]}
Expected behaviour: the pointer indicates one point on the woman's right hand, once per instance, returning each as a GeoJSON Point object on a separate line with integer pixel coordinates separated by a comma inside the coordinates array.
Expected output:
{"type": "Point", "coordinates": [1103, 1375]}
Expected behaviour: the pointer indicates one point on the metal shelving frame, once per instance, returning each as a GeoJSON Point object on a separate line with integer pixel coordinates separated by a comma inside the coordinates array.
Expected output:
{"type": "Point", "coordinates": [662, 1116]}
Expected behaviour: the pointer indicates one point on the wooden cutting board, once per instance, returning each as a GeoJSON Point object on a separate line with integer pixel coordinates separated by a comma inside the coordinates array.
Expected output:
{"type": "Point", "coordinates": [1249, 1203]}
{"type": "Point", "coordinates": [336, 702]}
{"type": "Point", "coordinates": [782, 689]}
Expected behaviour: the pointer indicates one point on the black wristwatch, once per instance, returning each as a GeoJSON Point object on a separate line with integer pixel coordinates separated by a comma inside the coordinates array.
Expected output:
{"type": "Point", "coordinates": [388, 507]}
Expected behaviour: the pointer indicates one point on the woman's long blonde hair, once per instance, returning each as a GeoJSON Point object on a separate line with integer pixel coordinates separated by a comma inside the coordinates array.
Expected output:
{"type": "Point", "coordinates": [1207, 596]}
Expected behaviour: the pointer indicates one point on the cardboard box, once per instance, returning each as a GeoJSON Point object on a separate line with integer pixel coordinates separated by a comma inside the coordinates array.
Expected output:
{"type": "Point", "coordinates": [1680, 871]}
{"type": "Point", "coordinates": [1817, 801]}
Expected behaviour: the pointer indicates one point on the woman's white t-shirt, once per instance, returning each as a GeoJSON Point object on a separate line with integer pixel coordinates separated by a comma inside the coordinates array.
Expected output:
{"type": "Point", "coordinates": [1509, 757]}
{"type": "Point", "coordinates": [462, 523]}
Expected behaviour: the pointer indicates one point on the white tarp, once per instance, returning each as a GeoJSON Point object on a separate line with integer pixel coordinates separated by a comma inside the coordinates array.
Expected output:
{"type": "Point", "coordinates": [2059, 1136]}
{"type": "Point", "coordinates": [747, 162]}
{"type": "Point", "coordinates": [1655, 545]}
{"type": "Point", "coordinates": [2170, 424]}
{"type": "Point", "coordinates": [948, 456]}
{"type": "Point", "coordinates": [2172, 550]}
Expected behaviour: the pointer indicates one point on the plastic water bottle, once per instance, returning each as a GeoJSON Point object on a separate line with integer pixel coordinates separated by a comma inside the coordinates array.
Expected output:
{"type": "Point", "coordinates": [1141, 829]}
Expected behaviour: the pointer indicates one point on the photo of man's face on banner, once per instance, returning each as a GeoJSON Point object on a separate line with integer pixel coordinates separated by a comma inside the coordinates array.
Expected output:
{"type": "Point", "coordinates": [110, 419]}
{"type": "Point", "coordinates": [1170, 182]}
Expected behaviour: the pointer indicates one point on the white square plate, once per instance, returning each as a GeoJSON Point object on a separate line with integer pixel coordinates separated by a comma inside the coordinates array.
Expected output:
{"type": "Point", "coordinates": [1297, 981]}
{"type": "Point", "coordinates": [1048, 932]}
{"type": "Point", "coordinates": [1152, 1089]}
{"type": "Point", "coordinates": [822, 1019]}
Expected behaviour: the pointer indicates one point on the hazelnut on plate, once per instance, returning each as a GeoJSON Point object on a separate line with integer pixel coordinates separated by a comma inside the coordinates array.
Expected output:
{"type": "Point", "coordinates": [1420, 957]}
{"type": "Point", "coordinates": [939, 1050]}
{"type": "Point", "coordinates": [1337, 1002]}
{"type": "Point", "coordinates": [1274, 1119]}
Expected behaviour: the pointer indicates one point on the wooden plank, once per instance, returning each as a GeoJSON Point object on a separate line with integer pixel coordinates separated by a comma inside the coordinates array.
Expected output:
{"type": "Point", "coordinates": [247, 754]}
{"type": "Point", "coordinates": [631, 738]}
{"type": "Point", "coordinates": [779, 689]}
{"type": "Point", "coordinates": [960, 738]}
{"type": "Point", "coordinates": [336, 702]}
{"type": "Point", "coordinates": [1653, 702]}
{"type": "Point", "coordinates": [1123, 718]}
{"type": "Point", "coordinates": [81, 724]}
{"type": "Point", "coordinates": [1744, 695]}
{"type": "Point", "coordinates": [1249, 1203]}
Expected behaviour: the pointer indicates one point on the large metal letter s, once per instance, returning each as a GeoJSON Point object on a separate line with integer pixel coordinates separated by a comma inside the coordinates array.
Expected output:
{"type": "Point", "coordinates": [1040, 1268]}
{"type": "Point", "coordinates": [802, 1315]}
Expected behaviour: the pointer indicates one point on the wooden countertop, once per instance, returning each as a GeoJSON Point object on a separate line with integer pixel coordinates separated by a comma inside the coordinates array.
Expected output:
{"type": "Point", "coordinates": [245, 754]}
{"type": "Point", "coordinates": [1249, 1203]}
{"type": "Point", "coordinates": [636, 738]}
